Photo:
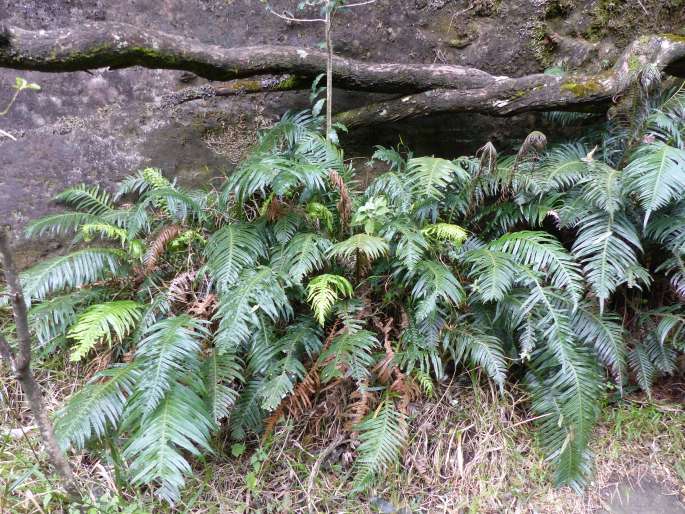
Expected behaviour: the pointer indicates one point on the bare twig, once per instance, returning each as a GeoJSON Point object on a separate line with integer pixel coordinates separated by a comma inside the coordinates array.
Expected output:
{"type": "Point", "coordinates": [20, 362]}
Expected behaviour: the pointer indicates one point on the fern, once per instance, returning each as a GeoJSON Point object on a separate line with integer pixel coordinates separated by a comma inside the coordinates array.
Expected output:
{"type": "Point", "coordinates": [221, 372]}
{"type": "Point", "coordinates": [323, 291]}
{"type": "Point", "coordinates": [232, 249]}
{"type": "Point", "coordinates": [382, 435]}
{"type": "Point", "coordinates": [103, 322]}
{"type": "Point", "coordinates": [304, 254]}
{"type": "Point", "coordinates": [90, 200]}
{"type": "Point", "coordinates": [372, 247]}
{"type": "Point", "coordinates": [96, 408]}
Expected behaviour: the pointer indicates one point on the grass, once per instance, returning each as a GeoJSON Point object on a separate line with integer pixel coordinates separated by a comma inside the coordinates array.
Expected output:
{"type": "Point", "coordinates": [472, 450]}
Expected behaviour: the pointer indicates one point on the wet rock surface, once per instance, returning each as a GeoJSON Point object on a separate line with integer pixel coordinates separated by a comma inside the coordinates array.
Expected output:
{"type": "Point", "coordinates": [100, 126]}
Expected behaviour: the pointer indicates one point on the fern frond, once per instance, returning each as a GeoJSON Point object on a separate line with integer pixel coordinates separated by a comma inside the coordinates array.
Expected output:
{"type": "Point", "coordinates": [72, 270]}
{"type": "Point", "coordinates": [435, 283]}
{"type": "Point", "coordinates": [493, 273]}
{"type": "Point", "coordinates": [382, 434]}
{"type": "Point", "coordinates": [468, 342]}
{"type": "Point", "coordinates": [62, 224]}
{"type": "Point", "coordinates": [220, 373]}
{"type": "Point", "coordinates": [603, 187]}
{"type": "Point", "coordinates": [428, 177]}
{"type": "Point", "coordinates": [643, 368]}
{"type": "Point", "coordinates": [372, 247]}
{"type": "Point", "coordinates": [169, 352]}
{"type": "Point", "coordinates": [323, 291]}
{"type": "Point", "coordinates": [304, 254]}
{"type": "Point", "coordinates": [606, 246]}
{"type": "Point", "coordinates": [257, 290]}
{"type": "Point", "coordinates": [543, 253]}
{"type": "Point", "coordinates": [91, 200]}
{"type": "Point", "coordinates": [656, 174]}
{"type": "Point", "coordinates": [107, 321]}
{"type": "Point", "coordinates": [180, 423]}
{"type": "Point", "coordinates": [411, 245]}
{"type": "Point", "coordinates": [446, 232]}
{"type": "Point", "coordinates": [349, 355]}
{"type": "Point", "coordinates": [606, 334]}
{"type": "Point", "coordinates": [232, 249]}
{"type": "Point", "coordinates": [568, 398]}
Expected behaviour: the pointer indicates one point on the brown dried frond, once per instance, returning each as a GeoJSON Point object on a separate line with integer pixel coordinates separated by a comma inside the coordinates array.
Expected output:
{"type": "Point", "coordinates": [203, 308]}
{"type": "Point", "coordinates": [345, 203]}
{"type": "Point", "coordinates": [275, 209]}
{"type": "Point", "coordinates": [182, 286]}
{"type": "Point", "coordinates": [158, 246]}
{"type": "Point", "coordinates": [488, 158]}
{"type": "Point", "coordinates": [360, 407]}
{"type": "Point", "coordinates": [271, 422]}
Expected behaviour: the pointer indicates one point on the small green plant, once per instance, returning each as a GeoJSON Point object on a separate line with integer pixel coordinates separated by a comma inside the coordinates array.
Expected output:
{"type": "Point", "coordinates": [559, 268]}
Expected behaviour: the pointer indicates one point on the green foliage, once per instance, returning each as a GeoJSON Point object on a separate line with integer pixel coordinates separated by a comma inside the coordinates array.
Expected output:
{"type": "Point", "coordinates": [250, 297]}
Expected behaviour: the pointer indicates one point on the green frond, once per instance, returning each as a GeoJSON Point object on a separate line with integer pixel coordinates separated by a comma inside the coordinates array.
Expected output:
{"type": "Point", "coordinates": [323, 291]}
{"type": "Point", "coordinates": [169, 352]}
{"type": "Point", "coordinates": [390, 156]}
{"type": "Point", "coordinates": [655, 174]}
{"type": "Point", "coordinates": [104, 231]}
{"type": "Point", "coordinates": [543, 253]}
{"type": "Point", "coordinates": [97, 407]}
{"type": "Point", "coordinates": [349, 355]}
{"type": "Point", "coordinates": [428, 177]}
{"type": "Point", "coordinates": [231, 249]}
{"type": "Point", "coordinates": [603, 187]}
{"type": "Point", "coordinates": [493, 273]}
{"type": "Point", "coordinates": [256, 290]}
{"type": "Point", "coordinates": [178, 426]}
{"type": "Point", "coordinates": [302, 255]}
{"type": "Point", "coordinates": [411, 244]}
{"type": "Point", "coordinates": [606, 246]}
{"type": "Point", "coordinates": [643, 368]}
{"type": "Point", "coordinates": [220, 372]}
{"type": "Point", "coordinates": [73, 270]}
{"type": "Point", "coordinates": [434, 284]}
{"type": "Point", "coordinates": [663, 356]}
{"type": "Point", "coordinates": [109, 321]}
{"type": "Point", "coordinates": [372, 247]}
{"type": "Point", "coordinates": [142, 182]}
{"type": "Point", "coordinates": [446, 232]}
{"type": "Point", "coordinates": [466, 341]}
{"type": "Point", "coordinates": [606, 334]}
{"type": "Point", "coordinates": [59, 225]}
{"type": "Point", "coordinates": [382, 435]}
{"type": "Point", "coordinates": [567, 397]}
{"type": "Point", "coordinates": [562, 167]}
{"type": "Point", "coordinates": [247, 415]}
{"type": "Point", "coordinates": [88, 199]}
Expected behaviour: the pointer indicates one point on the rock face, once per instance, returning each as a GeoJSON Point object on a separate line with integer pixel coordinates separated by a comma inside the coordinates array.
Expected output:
{"type": "Point", "coordinates": [97, 127]}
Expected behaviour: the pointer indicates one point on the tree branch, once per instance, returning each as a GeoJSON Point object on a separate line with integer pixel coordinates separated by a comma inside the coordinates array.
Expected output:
{"type": "Point", "coordinates": [21, 366]}
{"type": "Point", "coordinates": [430, 88]}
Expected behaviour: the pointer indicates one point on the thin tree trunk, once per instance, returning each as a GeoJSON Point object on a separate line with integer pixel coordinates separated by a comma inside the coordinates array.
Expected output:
{"type": "Point", "coordinates": [329, 72]}
{"type": "Point", "coordinates": [20, 363]}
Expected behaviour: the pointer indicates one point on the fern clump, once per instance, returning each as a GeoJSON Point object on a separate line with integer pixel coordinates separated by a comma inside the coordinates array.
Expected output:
{"type": "Point", "coordinates": [235, 306]}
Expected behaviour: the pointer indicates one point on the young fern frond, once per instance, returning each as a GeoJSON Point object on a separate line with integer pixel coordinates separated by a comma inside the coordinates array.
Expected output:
{"type": "Point", "coordinates": [372, 247]}
{"type": "Point", "coordinates": [109, 321]}
{"type": "Point", "coordinates": [323, 291]}
{"type": "Point", "coordinates": [446, 232]}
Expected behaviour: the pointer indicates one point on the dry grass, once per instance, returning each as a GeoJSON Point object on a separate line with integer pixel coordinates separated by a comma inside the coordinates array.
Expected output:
{"type": "Point", "coordinates": [471, 450]}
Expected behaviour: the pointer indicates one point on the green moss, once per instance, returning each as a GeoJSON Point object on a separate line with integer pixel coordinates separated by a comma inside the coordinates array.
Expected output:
{"type": "Point", "coordinates": [676, 38]}
{"type": "Point", "coordinates": [518, 94]}
{"type": "Point", "coordinates": [580, 89]}
{"type": "Point", "coordinates": [634, 63]}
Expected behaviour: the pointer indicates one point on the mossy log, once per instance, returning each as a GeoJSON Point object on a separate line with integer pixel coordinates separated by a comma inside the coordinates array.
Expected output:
{"type": "Point", "coordinates": [426, 88]}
